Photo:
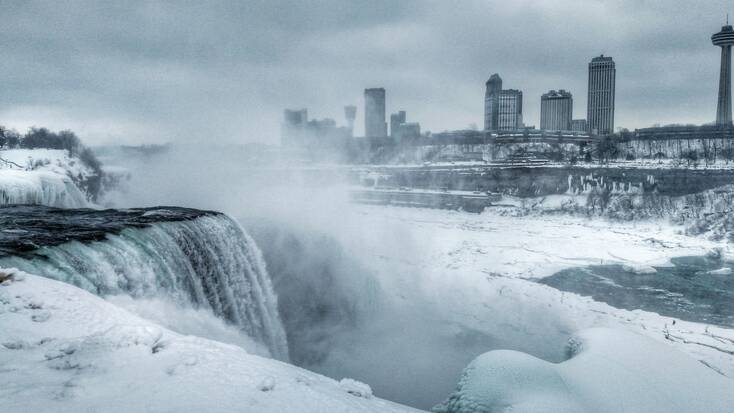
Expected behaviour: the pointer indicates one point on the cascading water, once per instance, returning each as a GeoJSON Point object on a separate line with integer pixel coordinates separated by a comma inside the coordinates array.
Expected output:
{"type": "Point", "coordinates": [40, 188]}
{"type": "Point", "coordinates": [192, 257]}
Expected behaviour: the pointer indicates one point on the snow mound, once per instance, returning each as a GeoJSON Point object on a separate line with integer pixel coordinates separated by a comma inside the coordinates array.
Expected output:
{"type": "Point", "coordinates": [612, 371]}
{"type": "Point", "coordinates": [639, 269]}
{"type": "Point", "coordinates": [90, 355]}
{"type": "Point", "coordinates": [356, 388]}
{"type": "Point", "coordinates": [721, 271]}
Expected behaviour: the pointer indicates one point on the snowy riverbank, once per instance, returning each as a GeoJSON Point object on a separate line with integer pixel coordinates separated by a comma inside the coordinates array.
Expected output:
{"type": "Point", "coordinates": [480, 270]}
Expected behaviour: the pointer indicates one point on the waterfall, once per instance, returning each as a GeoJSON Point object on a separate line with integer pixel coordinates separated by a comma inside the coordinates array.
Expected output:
{"type": "Point", "coordinates": [208, 261]}
{"type": "Point", "coordinates": [40, 188]}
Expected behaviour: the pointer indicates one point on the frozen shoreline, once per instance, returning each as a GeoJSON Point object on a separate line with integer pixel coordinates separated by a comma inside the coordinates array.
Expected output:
{"type": "Point", "coordinates": [481, 270]}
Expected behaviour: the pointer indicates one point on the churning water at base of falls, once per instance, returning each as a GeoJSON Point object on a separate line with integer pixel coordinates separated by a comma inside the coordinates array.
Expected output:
{"type": "Point", "coordinates": [194, 258]}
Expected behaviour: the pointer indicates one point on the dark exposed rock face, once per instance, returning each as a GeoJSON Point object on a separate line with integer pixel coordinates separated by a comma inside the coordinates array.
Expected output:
{"type": "Point", "coordinates": [25, 228]}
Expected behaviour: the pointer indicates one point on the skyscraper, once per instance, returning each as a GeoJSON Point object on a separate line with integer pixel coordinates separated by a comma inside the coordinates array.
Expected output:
{"type": "Point", "coordinates": [396, 119]}
{"type": "Point", "coordinates": [510, 110]}
{"type": "Point", "coordinates": [350, 113]}
{"type": "Point", "coordinates": [724, 39]}
{"type": "Point", "coordinates": [294, 122]}
{"type": "Point", "coordinates": [556, 110]}
{"type": "Point", "coordinates": [374, 113]}
{"type": "Point", "coordinates": [491, 102]}
{"type": "Point", "coordinates": [600, 103]}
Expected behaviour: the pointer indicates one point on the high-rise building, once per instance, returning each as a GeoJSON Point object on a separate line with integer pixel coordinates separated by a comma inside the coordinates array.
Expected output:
{"type": "Point", "coordinates": [600, 102]}
{"type": "Point", "coordinates": [350, 113]}
{"type": "Point", "coordinates": [579, 125]}
{"type": "Point", "coordinates": [556, 110]}
{"type": "Point", "coordinates": [509, 115]}
{"type": "Point", "coordinates": [396, 119]}
{"type": "Point", "coordinates": [491, 102]}
{"type": "Point", "coordinates": [374, 113]}
{"type": "Point", "coordinates": [724, 39]}
{"type": "Point", "coordinates": [293, 123]}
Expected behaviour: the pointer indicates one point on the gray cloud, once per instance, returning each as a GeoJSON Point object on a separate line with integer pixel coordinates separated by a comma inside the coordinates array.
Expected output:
{"type": "Point", "coordinates": [185, 70]}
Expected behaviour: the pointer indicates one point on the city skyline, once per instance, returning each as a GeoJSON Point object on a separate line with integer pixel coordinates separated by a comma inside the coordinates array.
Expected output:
{"type": "Point", "coordinates": [179, 75]}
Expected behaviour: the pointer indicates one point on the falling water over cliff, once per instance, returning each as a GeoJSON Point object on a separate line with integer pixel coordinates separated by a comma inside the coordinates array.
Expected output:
{"type": "Point", "coordinates": [192, 257]}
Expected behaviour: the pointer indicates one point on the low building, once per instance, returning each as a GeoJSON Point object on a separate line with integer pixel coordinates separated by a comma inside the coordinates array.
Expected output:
{"type": "Point", "coordinates": [579, 125]}
{"type": "Point", "coordinates": [407, 131]}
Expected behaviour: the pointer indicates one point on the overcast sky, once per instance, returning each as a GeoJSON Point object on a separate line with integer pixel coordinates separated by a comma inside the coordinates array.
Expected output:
{"type": "Point", "coordinates": [135, 72]}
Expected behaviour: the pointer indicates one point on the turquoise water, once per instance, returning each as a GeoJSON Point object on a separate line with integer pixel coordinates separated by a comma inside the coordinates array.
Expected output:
{"type": "Point", "coordinates": [694, 288]}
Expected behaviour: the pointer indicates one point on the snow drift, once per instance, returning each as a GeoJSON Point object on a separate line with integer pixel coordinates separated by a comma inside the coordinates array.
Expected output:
{"type": "Point", "coordinates": [63, 349]}
{"type": "Point", "coordinates": [610, 371]}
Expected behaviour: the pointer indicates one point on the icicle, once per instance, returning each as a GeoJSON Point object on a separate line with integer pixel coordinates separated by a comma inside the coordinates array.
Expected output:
{"type": "Point", "coordinates": [39, 188]}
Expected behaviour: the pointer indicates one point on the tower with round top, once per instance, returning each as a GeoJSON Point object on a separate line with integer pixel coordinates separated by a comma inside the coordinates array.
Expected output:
{"type": "Point", "coordinates": [724, 39]}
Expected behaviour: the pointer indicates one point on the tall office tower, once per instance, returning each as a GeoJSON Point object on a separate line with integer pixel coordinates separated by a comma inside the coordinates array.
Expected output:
{"type": "Point", "coordinates": [579, 125]}
{"type": "Point", "coordinates": [491, 102]}
{"type": "Point", "coordinates": [724, 39]}
{"type": "Point", "coordinates": [350, 113]}
{"type": "Point", "coordinates": [294, 122]}
{"type": "Point", "coordinates": [396, 119]}
{"type": "Point", "coordinates": [374, 113]}
{"type": "Point", "coordinates": [509, 115]}
{"type": "Point", "coordinates": [600, 103]}
{"type": "Point", "coordinates": [556, 110]}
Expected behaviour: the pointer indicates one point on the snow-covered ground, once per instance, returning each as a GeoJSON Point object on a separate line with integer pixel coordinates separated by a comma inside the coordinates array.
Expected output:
{"type": "Point", "coordinates": [610, 371]}
{"type": "Point", "coordinates": [64, 349]}
{"type": "Point", "coordinates": [41, 176]}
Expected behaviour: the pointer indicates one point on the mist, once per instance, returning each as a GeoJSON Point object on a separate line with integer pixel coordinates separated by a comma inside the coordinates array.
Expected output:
{"type": "Point", "coordinates": [353, 291]}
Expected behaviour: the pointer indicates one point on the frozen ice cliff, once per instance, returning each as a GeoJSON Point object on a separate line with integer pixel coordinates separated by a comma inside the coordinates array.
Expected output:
{"type": "Point", "coordinates": [43, 177]}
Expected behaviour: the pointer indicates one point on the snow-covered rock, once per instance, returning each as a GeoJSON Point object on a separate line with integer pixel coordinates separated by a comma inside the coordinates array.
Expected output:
{"type": "Point", "coordinates": [90, 355]}
{"type": "Point", "coordinates": [42, 176]}
{"type": "Point", "coordinates": [40, 188]}
{"type": "Point", "coordinates": [636, 268]}
{"type": "Point", "coordinates": [614, 371]}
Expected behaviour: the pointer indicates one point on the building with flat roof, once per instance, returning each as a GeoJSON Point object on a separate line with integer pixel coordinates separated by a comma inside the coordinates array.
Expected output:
{"type": "Point", "coordinates": [556, 110]}
{"type": "Point", "coordinates": [579, 125]}
{"type": "Point", "coordinates": [374, 113]}
{"type": "Point", "coordinates": [407, 131]}
{"type": "Point", "coordinates": [350, 114]}
{"type": "Point", "coordinates": [600, 102]}
{"type": "Point", "coordinates": [509, 110]}
{"type": "Point", "coordinates": [396, 119]}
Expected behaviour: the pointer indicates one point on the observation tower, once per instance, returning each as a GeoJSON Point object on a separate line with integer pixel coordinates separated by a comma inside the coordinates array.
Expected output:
{"type": "Point", "coordinates": [724, 39]}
